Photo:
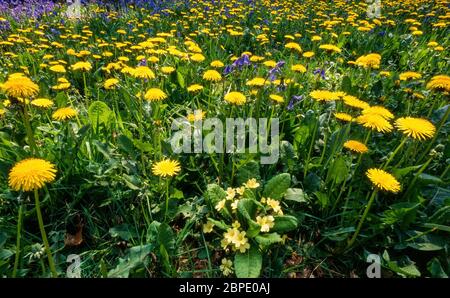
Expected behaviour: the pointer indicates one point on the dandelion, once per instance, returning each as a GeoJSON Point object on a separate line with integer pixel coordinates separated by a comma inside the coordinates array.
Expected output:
{"type": "Point", "coordinates": [344, 117]}
{"type": "Point", "coordinates": [417, 128]}
{"type": "Point", "coordinates": [31, 174]}
{"type": "Point", "coordinates": [64, 114]}
{"type": "Point", "coordinates": [212, 75]}
{"type": "Point", "coordinates": [440, 83]}
{"type": "Point", "coordinates": [217, 64]}
{"type": "Point", "coordinates": [42, 103]}
{"type": "Point", "coordinates": [155, 94]}
{"type": "Point", "coordinates": [383, 180]}
{"type": "Point", "coordinates": [142, 72]}
{"type": "Point", "coordinates": [235, 97]}
{"type": "Point", "coordinates": [110, 83]}
{"type": "Point", "coordinates": [258, 82]}
{"type": "Point", "coordinates": [330, 48]}
{"type": "Point", "coordinates": [167, 69]}
{"type": "Point", "coordinates": [355, 102]}
{"type": "Point", "coordinates": [276, 98]}
{"type": "Point", "coordinates": [82, 65]}
{"type": "Point", "coordinates": [375, 122]}
{"type": "Point", "coordinates": [166, 168]}
{"type": "Point", "coordinates": [293, 46]}
{"type": "Point", "coordinates": [58, 68]}
{"type": "Point", "coordinates": [298, 68]}
{"type": "Point", "coordinates": [324, 95]}
{"type": "Point", "coordinates": [378, 110]}
{"type": "Point", "coordinates": [194, 88]}
{"type": "Point", "coordinates": [19, 86]}
{"type": "Point", "coordinates": [369, 61]}
{"type": "Point", "coordinates": [356, 146]}
{"type": "Point", "coordinates": [409, 75]}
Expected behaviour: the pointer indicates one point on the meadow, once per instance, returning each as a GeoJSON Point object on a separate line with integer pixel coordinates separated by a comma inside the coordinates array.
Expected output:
{"type": "Point", "coordinates": [90, 183]}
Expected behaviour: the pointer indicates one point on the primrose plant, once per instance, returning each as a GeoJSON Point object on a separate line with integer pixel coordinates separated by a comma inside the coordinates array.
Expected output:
{"type": "Point", "coordinates": [248, 221]}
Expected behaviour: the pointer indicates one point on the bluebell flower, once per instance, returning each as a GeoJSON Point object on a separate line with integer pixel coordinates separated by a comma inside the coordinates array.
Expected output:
{"type": "Point", "coordinates": [294, 100]}
{"type": "Point", "coordinates": [321, 72]}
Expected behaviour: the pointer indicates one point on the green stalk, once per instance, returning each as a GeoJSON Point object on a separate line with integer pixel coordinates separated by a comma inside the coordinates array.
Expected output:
{"type": "Point", "coordinates": [51, 263]}
{"type": "Point", "coordinates": [395, 152]}
{"type": "Point", "coordinates": [167, 199]}
{"type": "Point", "coordinates": [18, 240]}
{"type": "Point", "coordinates": [29, 131]}
{"type": "Point", "coordinates": [363, 218]}
{"type": "Point", "coordinates": [422, 168]}
{"type": "Point", "coordinates": [311, 147]}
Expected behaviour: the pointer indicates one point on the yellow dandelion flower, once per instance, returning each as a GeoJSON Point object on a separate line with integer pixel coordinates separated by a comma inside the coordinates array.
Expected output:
{"type": "Point", "coordinates": [440, 83]}
{"type": "Point", "coordinates": [212, 75]}
{"type": "Point", "coordinates": [258, 82]}
{"type": "Point", "coordinates": [142, 72]}
{"type": "Point", "coordinates": [324, 95]}
{"type": "Point", "coordinates": [31, 174]}
{"type": "Point", "coordinates": [355, 102]}
{"type": "Point", "coordinates": [409, 75]}
{"type": "Point", "coordinates": [374, 122]}
{"type": "Point", "coordinates": [383, 180]}
{"type": "Point", "coordinates": [217, 64]}
{"type": "Point", "coordinates": [110, 83]}
{"type": "Point", "coordinates": [167, 69]}
{"type": "Point", "coordinates": [308, 54]}
{"type": "Point", "coordinates": [356, 146]}
{"type": "Point", "coordinates": [166, 167]}
{"type": "Point", "coordinates": [64, 113]}
{"type": "Point", "coordinates": [379, 110]}
{"type": "Point", "coordinates": [236, 98]}
{"type": "Point", "coordinates": [42, 102]}
{"type": "Point", "coordinates": [194, 88]}
{"type": "Point", "coordinates": [343, 117]}
{"type": "Point", "coordinates": [155, 94]}
{"type": "Point", "coordinates": [82, 65]}
{"type": "Point", "coordinates": [20, 86]}
{"type": "Point", "coordinates": [416, 128]}
{"type": "Point", "coordinates": [58, 68]}
{"type": "Point", "coordinates": [293, 46]}
{"type": "Point", "coordinates": [276, 98]}
{"type": "Point", "coordinates": [298, 68]}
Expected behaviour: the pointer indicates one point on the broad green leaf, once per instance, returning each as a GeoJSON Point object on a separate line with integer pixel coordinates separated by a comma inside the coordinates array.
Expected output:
{"type": "Point", "coordinates": [435, 268]}
{"type": "Point", "coordinates": [99, 113]}
{"type": "Point", "coordinates": [284, 224]}
{"type": "Point", "coordinates": [214, 194]}
{"type": "Point", "coordinates": [338, 171]}
{"type": "Point", "coordinates": [276, 187]}
{"type": "Point", "coordinates": [268, 239]}
{"type": "Point", "coordinates": [123, 231]}
{"type": "Point", "coordinates": [135, 257]}
{"type": "Point", "coordinates": [295, 194]}
{"type": "Point", "coordinates": [248, 264]}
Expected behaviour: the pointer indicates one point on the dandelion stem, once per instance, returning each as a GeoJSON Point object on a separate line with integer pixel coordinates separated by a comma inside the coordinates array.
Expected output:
{"type": "Point", "coordinates": [18, 240]}
{"type": "Point", "coordinates": [29, 131]}
{"type": "Point", "coordinates": [363, 218]}
{"type": "Point", "coordinates": [51, 263]}
{"type": "Point", "coordinates": [394, 153]}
